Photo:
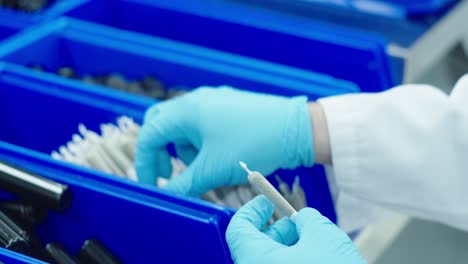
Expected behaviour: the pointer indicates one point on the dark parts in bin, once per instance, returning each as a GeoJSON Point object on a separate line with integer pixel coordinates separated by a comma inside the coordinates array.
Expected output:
{"type": "Point", "coordinates": [24, 5]}
{"type": "Point", "coordinates": [11, 236]}
{"type": "Point", "coordinates": [57, 254]}
{"type": "Point", "coordinates": [147, 86]}
{"type": "Point", "coordinates": [93, 252]}
{"type": "Point", "coordinates": [34, 188]}
{"type": "Point", "coordinates": [25, 213]}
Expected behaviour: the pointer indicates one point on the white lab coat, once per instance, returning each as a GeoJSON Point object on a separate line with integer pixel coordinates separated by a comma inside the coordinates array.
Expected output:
{"type": "Point", "coordinates": [405, 149]}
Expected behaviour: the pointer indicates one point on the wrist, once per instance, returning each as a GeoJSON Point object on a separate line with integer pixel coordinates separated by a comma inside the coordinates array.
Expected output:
{"type": "Point", "coordinates": [320, 135]}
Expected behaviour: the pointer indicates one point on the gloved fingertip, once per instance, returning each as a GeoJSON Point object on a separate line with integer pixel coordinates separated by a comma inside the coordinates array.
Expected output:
{"type": "Point", "coordinates": [261, 200]}
{"type": "Point", "coordinates": [146, 172]}
{"type": "Point", "coordinates": [163, 164]}
{"type": "Point", "coordinates": [152, 163]}
{"type": "Point", "coordinates": [180, 185]}
{"type": "Point", "coordinates": [186, 153]}
{"type": "Point", "coordinates": [243, 234]}
{"type": "Point", "coordinates": [151, 113]}
{"type": "Point", "coordinates": [184, 183]}
{"type": "Point", "coordinates": [309, 216]}
{"type": "Point", "coordinates": [283, 231]}
{"type": "Point", "coordinates": [257, 211]}
{"type": "Point", "coordinates": [146, 178]}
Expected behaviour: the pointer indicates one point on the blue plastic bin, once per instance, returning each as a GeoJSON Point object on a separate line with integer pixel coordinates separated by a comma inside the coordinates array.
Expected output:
{"type": "Point", "coordinates": [76, 44]}
{"type": "Point", "coordinates": [90, 49]}
{"type": "Point", "coordinates": [73, 43]}
{"type": "Point", "coordinates": [128, 59]}
{"type": "Point", "coordinates": [136, 227]}
{"type": "Point", "coordinates": [41, 111]}
{"type": "Point", "coordinates": [334, 50]}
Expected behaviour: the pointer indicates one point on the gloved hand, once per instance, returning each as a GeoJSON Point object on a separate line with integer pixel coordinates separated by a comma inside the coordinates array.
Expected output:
{"type": "Point", "coordinates": [320, 241]}
{"type": "Point", "coordinates": [214, 129]}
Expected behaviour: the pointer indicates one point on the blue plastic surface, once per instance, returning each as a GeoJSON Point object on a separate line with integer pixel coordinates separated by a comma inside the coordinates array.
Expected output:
{"type": "Point", "coordinates": [137, 228]}
{"type": "Point", "coordinates": [9, 27]}
{"type": "Point", "coordinates": [273, 36]}
{"type": "Point", "coordinates": [6, 31]}
{"type": "Point", "coordinates": [10, 257]}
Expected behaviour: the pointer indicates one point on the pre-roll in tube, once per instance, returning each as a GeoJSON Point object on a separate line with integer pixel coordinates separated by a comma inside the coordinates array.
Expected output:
{"type": "Point", "coordinates": [265, 187]}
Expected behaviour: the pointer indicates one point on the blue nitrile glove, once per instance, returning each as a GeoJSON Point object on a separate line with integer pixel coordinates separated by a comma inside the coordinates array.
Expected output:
{"type": "Point", "coordinates": [318, 239]}
{"type": "Point", "coordinates": [214, 129]}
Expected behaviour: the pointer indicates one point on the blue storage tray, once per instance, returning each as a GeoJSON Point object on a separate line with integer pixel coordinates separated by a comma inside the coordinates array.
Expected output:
{"type": "Point", "coordinates": [334, 50]}
{"type": "Point", "coordinates": [53, 106]}
{"type": "Point", "coordinates": [76, 44]}
{"type": "Point", "coordinates": [91, 49]}
{"type": "Point", "coordinates": [57, 99]}
{"type": "Point", "coordinates": [136, 227]}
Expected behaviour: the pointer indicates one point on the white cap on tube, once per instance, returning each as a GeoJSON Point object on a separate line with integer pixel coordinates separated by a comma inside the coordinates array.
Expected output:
{"type": "Point", "coordinates": [265, 187]}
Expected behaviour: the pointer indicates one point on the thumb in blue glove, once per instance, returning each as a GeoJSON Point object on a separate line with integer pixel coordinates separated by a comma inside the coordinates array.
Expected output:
{"type": "Point", "coordinates": [313, 239]}
{"type": "Point", "coordinates": [214, 128]}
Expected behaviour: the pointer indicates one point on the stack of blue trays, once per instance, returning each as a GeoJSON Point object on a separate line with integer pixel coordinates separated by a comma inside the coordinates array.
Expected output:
{"type": "Point", "coordinates": [186, 43]}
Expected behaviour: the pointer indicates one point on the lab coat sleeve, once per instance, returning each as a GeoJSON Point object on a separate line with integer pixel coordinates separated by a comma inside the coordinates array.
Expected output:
{"type": "Point", "coordinates": [405, 149]}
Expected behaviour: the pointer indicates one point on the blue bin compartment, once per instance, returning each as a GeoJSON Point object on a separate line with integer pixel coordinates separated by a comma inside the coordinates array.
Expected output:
{"type": "Point", "coordinates": [136, 227]}
{"type": "Point", "coordinates": [90, 49]}
{"type": "Point", "coordinates": [71, 43]}
{"type": "Point", "coordinates": [43, 116]}
{"type": "Point", "coordinates": [68, 42]}
{"type": "Point", "coordinates": [46, 95]}
{"type": "Point", "coordinates": [54, 106]}
{"type": "Point", "coordinates": [334, 50]}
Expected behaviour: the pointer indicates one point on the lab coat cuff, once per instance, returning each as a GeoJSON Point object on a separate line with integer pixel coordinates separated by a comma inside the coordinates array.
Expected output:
{"type": "Point", "coordinates": [345, 116]}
